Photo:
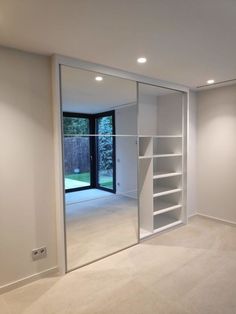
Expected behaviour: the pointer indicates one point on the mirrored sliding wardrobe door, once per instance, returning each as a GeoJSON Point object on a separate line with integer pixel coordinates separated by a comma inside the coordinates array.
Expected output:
{"type": "Point", "coordinates": [100, 164]}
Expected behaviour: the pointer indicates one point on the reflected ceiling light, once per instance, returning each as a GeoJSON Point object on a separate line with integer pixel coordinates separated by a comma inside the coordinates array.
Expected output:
{"type": "Point", "coordinates": [142, 60]}
{"type": "Point", "coordinates": [211, 81]}
{"type": "Point", "coordinates": [99, 78]}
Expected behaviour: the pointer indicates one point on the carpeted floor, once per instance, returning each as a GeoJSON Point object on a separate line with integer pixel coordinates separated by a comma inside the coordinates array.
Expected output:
{"type": "Point", "coordinates": [190, 270]}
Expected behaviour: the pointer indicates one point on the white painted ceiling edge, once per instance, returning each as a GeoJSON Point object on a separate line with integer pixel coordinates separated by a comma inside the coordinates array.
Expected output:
{"type": "Point", "coordinates": [187, 42]}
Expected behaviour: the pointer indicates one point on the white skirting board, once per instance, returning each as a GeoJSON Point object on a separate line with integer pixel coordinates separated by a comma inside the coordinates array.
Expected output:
{"type": "Point", "coordinates": [29, 279]}
{"type": "Point", "coordinates": [192, 215]}
{"type": "Point", "coordinates": [215, 218]}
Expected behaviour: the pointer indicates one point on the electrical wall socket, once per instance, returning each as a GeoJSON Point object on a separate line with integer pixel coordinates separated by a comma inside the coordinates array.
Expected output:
{"type": "Point", "coordinates": [39, 253]}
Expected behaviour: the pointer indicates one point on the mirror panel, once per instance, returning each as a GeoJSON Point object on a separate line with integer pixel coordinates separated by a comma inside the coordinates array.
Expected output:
{"type": "Point", "coordinates": [100, 164]}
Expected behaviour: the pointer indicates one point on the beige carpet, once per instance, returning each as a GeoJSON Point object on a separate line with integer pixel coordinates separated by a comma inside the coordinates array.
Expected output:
{"type": "Point", "coordinates": [189, 270]}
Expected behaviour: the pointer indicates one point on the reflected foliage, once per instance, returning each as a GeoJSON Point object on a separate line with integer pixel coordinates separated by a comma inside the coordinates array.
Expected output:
{"type": "Point", "coordinates": [73, 125]}
{"type": "Point", "coordinates": [105, 144]}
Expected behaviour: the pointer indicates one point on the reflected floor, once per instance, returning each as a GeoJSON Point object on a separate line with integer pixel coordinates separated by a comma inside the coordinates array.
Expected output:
{"type": "Point", "coordinates": [73, 184]}
{"type": "Point", "coordinates": [86, 195]}
{"type": "Point", "coordinates": [99, 226]}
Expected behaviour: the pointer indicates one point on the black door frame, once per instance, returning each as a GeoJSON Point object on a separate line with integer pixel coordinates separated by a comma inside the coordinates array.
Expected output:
{"type": "Point", "coordinates": [100, 115]}
{"type": "Point", "coordinates": [93, 149]}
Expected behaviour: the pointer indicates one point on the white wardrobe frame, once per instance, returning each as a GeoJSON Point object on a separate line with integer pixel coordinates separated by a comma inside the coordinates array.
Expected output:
{"type": "Point", "coordinates": [57, 61]}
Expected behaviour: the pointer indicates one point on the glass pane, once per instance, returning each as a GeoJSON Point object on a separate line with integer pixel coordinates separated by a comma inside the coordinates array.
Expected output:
{"type": "Point", "coordinates": [105, 152]}
{"type": "Point", "coordinates": [76, 153]}
{"type": "Point", "coordinates": [105, 161]}
{"type": "Point", "coordinates": [75, 126]}
{"type": "Point", "coordinates": [105, 125]}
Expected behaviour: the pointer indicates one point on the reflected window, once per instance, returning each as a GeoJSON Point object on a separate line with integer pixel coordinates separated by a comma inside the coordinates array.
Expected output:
{"type": "Point", "coordinates": [88, 160]}
{"type": "Point", "coordinates": [105, 152]}
{"type": "Point", "coordinates": [77, 153]}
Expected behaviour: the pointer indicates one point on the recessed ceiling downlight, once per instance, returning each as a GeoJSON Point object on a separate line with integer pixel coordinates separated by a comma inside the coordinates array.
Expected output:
{"type": "Point", "coordinates": [210, 81]}
{"type": "Point", "coordinates": [142, 60]}
{"type": "Point", "coordinates": [99, 78]}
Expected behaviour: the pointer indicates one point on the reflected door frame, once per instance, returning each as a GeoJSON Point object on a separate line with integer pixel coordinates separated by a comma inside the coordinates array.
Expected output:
{"type": "Point", "coordinates": [91, 149]}
{"type": "Point", "coordinates": [93, 143]}
{"type": "Point", "coordinates": [97, 116]}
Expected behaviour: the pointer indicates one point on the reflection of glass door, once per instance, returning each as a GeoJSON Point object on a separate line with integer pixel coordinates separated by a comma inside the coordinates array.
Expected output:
{"type": "Point", "coordinates": [77, 147]}
{"type": "Point", "coordinates": [84, 166]}
{"type": "Point", "coordinates": [105, 127]}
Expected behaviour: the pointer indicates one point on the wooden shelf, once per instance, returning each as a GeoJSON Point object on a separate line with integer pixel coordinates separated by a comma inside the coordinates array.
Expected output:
{"type": "Point", "coordinates": [165, 191]}
{"type": "Point", "coordinates": [160, 175]}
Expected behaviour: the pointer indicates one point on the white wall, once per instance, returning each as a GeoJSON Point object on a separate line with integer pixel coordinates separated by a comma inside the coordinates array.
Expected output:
{"type": "Point", "coordinates": [147, 114]}
{"type": "Point", "coordinates": [126, 150]}
{"type": "Point", "coordinates": [27, 207]}
{"type": "Point", "coordinates": [216, 152]}
{"type": "Point", "coordinates": [192, 204]}
{"type": "Point", "coordinates": [169, 114]}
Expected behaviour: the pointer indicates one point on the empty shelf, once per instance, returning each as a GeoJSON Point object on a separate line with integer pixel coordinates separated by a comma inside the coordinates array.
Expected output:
{"type": "Point", "coordinates": [144, 157]}
{"type": "Point", "coordinates": [169, 136]}
{"type": "Point", "coordinates": [165, 221]}
{"type": "Point", "coordinates": [161, 136]}
{"type": "Point", "coordinates": [161, 156]}
{"type": "Point", "coordinates": [165, 190]}
{"type": "Point", "coordinates": [163, 207]}
{"type": "Point", "coordinates": [159, 175]}
{"type": "Point", "coordinates": [167, 155]}
{"type": "Point", "coordinates": [166, 226]}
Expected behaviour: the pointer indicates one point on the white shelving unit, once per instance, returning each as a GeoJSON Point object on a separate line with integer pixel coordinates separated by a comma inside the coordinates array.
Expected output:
{"type": "Point", "coordinates": [162, 156]}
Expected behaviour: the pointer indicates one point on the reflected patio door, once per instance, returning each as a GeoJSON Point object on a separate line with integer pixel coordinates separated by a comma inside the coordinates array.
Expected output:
{"type": "Point", "coordinates": [77, 152]}
{"type": "Point", "coordinates": [106, 170]}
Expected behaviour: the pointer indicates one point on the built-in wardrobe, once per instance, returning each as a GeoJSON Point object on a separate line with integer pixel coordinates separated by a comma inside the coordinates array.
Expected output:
{"type": "Point", "coordinates": [145, 156]}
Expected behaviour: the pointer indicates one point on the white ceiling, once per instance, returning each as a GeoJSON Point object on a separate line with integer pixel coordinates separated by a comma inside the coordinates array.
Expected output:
{"type": "Point", "coordinates": [185, 41]}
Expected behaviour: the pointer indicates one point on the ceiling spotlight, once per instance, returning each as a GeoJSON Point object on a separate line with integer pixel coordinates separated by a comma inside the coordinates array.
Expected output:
{"type": "Point", "coordinates": [142, 60]}
{"type": "Point", "coordinates": [99, 78]}
{"type": "Point", "coordinates": [210, 81]}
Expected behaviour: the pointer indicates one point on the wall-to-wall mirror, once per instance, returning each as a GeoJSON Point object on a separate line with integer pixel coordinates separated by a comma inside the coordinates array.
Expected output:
{"type": "Point", "coordinates": [100, 164]}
